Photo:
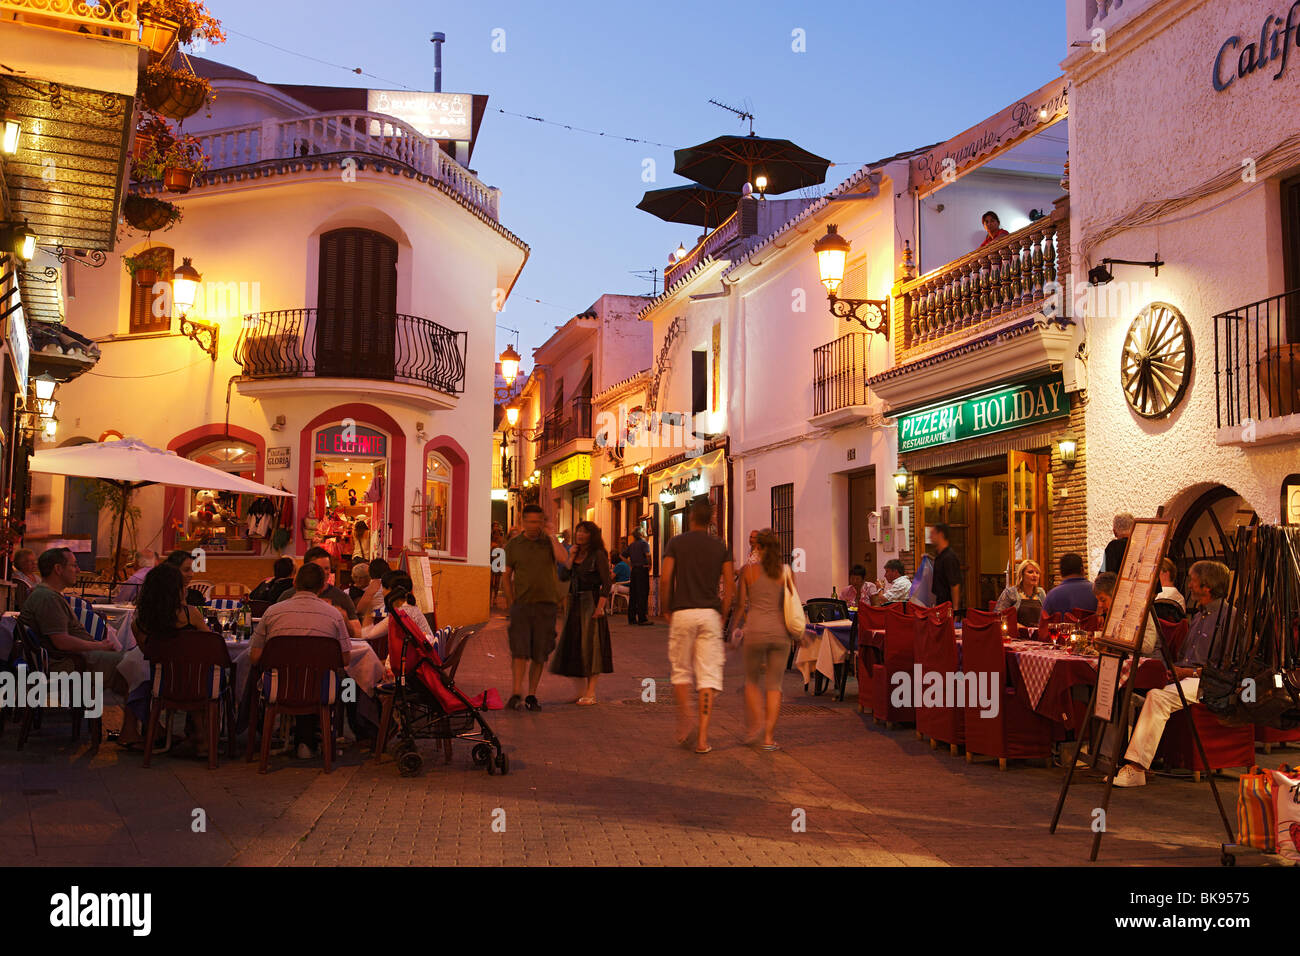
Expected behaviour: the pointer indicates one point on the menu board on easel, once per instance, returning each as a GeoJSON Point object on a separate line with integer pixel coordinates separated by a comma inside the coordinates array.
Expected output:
{"type": "Point", "coordinates": [1139, 579]}
{"type": "Point", "coordinates": [421, 580]}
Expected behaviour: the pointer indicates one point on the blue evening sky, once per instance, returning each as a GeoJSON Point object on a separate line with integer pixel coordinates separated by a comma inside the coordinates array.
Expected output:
{"type": "Point", "coordinates": [877, 78]}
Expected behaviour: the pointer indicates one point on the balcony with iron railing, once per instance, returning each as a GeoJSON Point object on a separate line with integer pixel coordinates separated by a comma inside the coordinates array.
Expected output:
{"type": "Point", "coordinates": [564, 436]}
{"type": "Point", "coordinates": [840, 379]}
{"type": "Point", "coordinates": [305, 344]}
{"type": "Point", "coordinates": [714, 241]}
{"type": "Point", "coordinates": [114, 20]}
{"type": "Point", "coordinates": [1257, 371]}
{"type": "Point", "coordinates": [353, 133]}
{"type": "Point", "coordinates": [984, 289]}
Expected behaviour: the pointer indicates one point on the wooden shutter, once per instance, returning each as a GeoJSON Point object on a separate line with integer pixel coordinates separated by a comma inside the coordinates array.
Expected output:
{"type": "Point", "coordinates": [699, 381]}
{"type": "Point", "coordinates": [1290, 193]}
{"type": "Point", "coordinates": [142, 318]}
{"type": "Point", "coordinates": [357, 304]}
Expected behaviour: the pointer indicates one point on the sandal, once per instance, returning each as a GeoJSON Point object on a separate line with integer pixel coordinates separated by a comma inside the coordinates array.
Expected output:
{"type": "Point", "coordinates": [706, 750]}
{"type": "Point", "coordinates": [585, 701]}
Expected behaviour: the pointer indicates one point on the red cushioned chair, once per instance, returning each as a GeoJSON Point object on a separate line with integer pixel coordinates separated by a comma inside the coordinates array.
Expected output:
{"type": "Point", "coordinates": [1173, 634]}
{"type": "Point", "coordinates": [901, 622]}
{"type": "Point", "coordinates": [1224, 746]}
{"type": "Point", "coordinates": [1268, 736]}
{"type": "Point", "coordinates": [1015, 732]}
{"type": "Point", "coordinates": [936, 650]}
{"type": "Point", "coordinates": [869, 619]}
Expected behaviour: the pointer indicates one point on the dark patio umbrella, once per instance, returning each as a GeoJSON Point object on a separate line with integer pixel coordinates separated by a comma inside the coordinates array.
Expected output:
{"type": "Point", "coordinates": [728, 162]}
{"type": "Point", "coordinates": [691, 204]}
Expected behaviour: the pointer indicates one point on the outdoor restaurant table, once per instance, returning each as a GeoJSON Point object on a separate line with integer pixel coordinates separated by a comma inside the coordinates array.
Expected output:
{"type": "Point", "coordinates": [363, 665]}
{"type": "Point", "coordinates": [1047, 675]}
{"type": "Point", "coordinates": [817, 653]}
{"type": "Point", "coordinates": [119, 617]}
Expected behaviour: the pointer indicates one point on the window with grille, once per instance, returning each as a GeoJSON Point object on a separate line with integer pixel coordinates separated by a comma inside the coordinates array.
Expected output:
{"type": "Point", "coordinates": [783, 518]}
{"type": "Point", "coordinates": [151, 305]}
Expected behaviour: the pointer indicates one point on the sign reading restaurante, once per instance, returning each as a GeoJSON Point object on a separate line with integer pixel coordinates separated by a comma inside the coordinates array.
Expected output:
{"type": "Point", "coordinates": [1010, 406]}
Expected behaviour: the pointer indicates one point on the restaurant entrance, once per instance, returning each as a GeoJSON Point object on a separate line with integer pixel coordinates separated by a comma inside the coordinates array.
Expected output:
{"type": "Point", "coordinates": [996, 512]}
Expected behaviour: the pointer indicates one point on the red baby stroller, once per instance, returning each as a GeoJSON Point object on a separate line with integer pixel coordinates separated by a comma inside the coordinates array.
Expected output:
{"type": "Point", "coordinates": [425, 700]}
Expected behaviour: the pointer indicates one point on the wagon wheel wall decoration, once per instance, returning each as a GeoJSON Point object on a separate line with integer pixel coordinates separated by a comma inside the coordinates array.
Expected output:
{"type": "Point", "coordinates": [1156, 364]}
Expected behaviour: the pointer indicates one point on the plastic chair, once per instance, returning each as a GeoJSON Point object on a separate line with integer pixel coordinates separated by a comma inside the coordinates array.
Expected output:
{"type": "Point", "coordinates": [31, 652]}
{"type": "Point", "coordinates": [825, 609]}
{"type": "Point", "coordinates": [203, 586]}
{"type": "Point", "coordinates": [299, 676]}
{"type": "Point", "coordinates": [191, 671]}
{"type": "Point", "coordinates": [936, 650]}
{"type": "Point", "coordinates": [225, 604]}
{"type": "Point", "coordinates": [1015, 730]}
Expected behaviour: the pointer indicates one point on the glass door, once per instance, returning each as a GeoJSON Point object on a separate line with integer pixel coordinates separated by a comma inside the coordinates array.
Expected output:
{"type": "Point", "coordinates": [950, 500]}
{"type": "Point", "coordinates": [1027, 509]}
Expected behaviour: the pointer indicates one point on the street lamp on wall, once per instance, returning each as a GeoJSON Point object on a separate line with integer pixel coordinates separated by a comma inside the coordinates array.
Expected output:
{"type": "Point", "coordinates": [1069, 451]}
{"type": "Point", "coordinates": [900, 481]}
{"type": "Point", "coordinates": [185, 289]}
{"type": "Point", "coordinates": [512, 415]}
{"type": "Point", "coordinates": [11, 133]}
{"type": "Point", "coordinates": [832, 252]}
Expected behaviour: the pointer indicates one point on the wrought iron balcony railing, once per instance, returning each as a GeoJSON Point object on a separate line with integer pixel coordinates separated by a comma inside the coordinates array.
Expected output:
{"type": "Point", "coordinates": [840, 373]}
{"type": "Point", "coordinates": [1257, 360]}
{"type": "Point", "coordinates": [346, 343]}
{"type": "Point", "coordinates": [557, 432]}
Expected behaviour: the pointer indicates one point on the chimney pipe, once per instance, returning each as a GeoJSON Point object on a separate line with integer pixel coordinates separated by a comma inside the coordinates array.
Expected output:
{"type": "Point", "coordinates": [437, 40]}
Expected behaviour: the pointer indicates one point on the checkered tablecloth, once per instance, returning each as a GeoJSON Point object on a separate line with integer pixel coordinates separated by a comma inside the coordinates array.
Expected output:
{"type": "Point", "coordinates": [1036, 661]}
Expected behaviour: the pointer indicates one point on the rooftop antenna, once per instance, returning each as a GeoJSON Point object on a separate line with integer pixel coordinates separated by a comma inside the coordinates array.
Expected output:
{"type": "Point", "coordinates": [744, 115]}
{"type": "Point", "coordinates": [438, 39]}
{"type": "Point", "coordinates": [652, 275]}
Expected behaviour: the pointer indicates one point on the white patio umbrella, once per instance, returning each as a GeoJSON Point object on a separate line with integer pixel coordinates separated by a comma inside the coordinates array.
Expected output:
{"type": "Point", "coordinates": [131, 464]}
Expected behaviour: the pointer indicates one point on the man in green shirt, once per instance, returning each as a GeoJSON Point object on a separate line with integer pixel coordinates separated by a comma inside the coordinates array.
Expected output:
{"type": "Point", "coordinates": [533, 595]}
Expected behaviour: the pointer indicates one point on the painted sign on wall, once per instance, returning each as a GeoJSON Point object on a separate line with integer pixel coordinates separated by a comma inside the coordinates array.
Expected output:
{"type": "Point", "coordinates": [1010, 406]}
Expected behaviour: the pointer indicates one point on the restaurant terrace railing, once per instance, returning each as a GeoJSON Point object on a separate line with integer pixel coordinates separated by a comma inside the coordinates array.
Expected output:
{"type": "Point", "coordinates": [346, 343]}
{"type": "Point", "coordinates": [345, 133]}
{"type": "Point", "coordinates": [727, 231]}
{"type": "Point", "coordinates": [115, 20]}
{"type": "Point", "coordinates": [1257, 360]}
{"type": "Point", "coordinates": [1003, 277]}
{"type": "Point", "coordinates": [557, 432]}
{"type": "Point", "coordinates": [840, 373]}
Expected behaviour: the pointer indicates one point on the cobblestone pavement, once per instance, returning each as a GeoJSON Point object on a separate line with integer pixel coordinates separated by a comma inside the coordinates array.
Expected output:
{"type": "Point", "coordinates": [595, 785]}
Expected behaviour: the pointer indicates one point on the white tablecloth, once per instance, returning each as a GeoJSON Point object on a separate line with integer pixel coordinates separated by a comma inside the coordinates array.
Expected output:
{"type": "Point", "coordinates": [819, 654]}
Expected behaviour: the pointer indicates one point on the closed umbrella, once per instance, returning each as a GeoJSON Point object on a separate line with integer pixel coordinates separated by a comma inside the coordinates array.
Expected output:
{"type": "Point", "coordinates": [130, 464]}
{"type": "Point", "coordinates": [728, 162]}
{"type": "Point", "coordinates": [692, 204]}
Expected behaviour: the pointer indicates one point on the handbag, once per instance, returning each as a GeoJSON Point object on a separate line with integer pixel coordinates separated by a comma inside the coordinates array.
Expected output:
{"type": "Point", "coordinates": [1256, 809]}
{"type": "Point", "coordinates": [1286, 813]}
{"type": "Point", "coordinates": [795, 621]}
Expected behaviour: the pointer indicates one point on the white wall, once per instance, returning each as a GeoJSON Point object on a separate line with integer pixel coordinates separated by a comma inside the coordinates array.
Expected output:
{"type": "Point", "coordinates": [955, 230]}
{"type": "Point", "coordinates": [1133, 112]}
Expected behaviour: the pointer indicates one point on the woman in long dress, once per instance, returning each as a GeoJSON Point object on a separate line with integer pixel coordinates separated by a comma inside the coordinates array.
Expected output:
{"type": "Point", "coordinates": [584, 649]}
{"type": "Point", "coordinates": [766, 642]}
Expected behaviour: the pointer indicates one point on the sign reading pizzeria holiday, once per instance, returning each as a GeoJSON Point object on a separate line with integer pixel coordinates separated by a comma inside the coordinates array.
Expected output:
{"type": "Point", "coordinates": [1007, 406]}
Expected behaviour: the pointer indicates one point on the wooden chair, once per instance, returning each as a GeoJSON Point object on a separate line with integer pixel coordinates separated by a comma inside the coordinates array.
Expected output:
{"type": "Point", "coordinates": [191, 672]}
{"type": "Point", "coordinates": [298, 676]}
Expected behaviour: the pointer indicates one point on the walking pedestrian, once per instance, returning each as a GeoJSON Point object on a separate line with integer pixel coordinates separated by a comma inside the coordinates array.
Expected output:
{"type": "Point", "coordinates": [637, 555]}
{"type": "Point", "coordinates": [498, 542]}
{"type": "Point", "coordinates": [767, 642]}
{"type": "Point", "coordinates": [694, 563]}
{"type": "Point", "coordinates": [584, 650]}
{"type": "Point", "coordinates": [533, 596]}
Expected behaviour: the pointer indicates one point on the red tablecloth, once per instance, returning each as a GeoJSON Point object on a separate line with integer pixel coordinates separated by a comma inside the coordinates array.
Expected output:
{"type": "Point", "coordinates": [1046, 675]}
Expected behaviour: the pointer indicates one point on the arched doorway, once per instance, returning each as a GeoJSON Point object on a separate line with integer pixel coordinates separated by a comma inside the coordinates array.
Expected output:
{"type": "Point", "coordinates": [1207, 526]}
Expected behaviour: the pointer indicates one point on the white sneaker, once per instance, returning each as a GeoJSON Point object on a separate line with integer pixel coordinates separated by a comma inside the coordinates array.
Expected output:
{"type": "Point", "coordinates": [1131, 775]}
{"type": "Point", "coordinates": [305, 752]}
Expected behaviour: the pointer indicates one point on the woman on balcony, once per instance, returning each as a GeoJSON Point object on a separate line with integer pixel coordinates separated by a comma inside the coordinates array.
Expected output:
{"type": "Point", "coordinates": [993, 228]}
{"type": "Point", "coordinates": [584, 650]}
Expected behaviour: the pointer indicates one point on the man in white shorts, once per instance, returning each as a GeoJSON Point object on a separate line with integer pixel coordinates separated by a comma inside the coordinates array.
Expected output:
{"type": "Point", "coordinates": [694, 563]}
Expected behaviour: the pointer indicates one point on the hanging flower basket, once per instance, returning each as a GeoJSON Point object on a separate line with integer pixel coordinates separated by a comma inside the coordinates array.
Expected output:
{"type": "Point", "coordinates": [175, 94]}
{"type": "Point", "coordinates": [149, 214]}
{"type": "Point", "coordinates": [177, 179]}
{"type": "Point", "coordinates": [158, 34]}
